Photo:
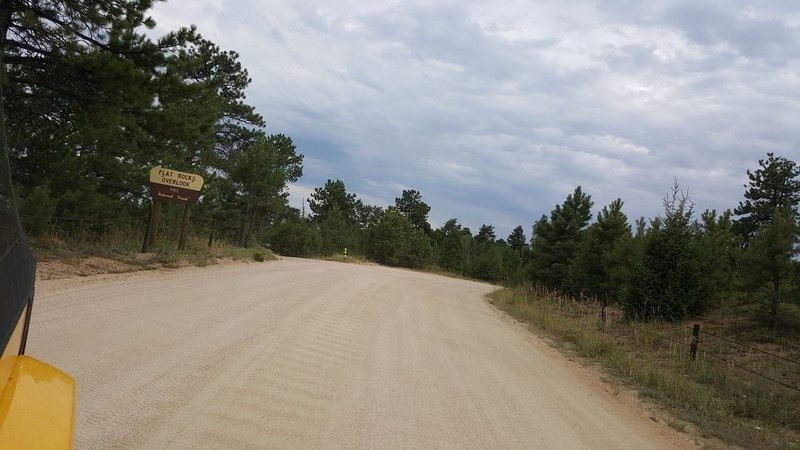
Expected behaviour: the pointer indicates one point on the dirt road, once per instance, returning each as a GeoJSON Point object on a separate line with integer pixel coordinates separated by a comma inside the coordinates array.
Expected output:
{"type": "Point", "coordinates": [312, 354]}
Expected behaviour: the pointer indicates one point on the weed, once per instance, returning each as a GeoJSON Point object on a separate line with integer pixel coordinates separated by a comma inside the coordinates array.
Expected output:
{"type": "Point", "coordinates": [723, 401]}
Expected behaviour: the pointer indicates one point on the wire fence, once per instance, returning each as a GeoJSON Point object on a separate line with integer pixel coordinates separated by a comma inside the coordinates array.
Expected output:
{"type": "Point", "coordinates": [84, 227]}
{"type": "Point", "coordinates": [729, 362]}
{"type": "Point", "coordinates": [783, 370]}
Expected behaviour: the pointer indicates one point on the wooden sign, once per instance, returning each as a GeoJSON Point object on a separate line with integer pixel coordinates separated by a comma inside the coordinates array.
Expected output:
{"type": "Point", "coordinates": [173, 186]}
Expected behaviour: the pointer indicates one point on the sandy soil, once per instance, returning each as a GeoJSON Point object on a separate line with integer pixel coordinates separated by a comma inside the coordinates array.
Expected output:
{"type": "Point", "coordinates": [314, 354]}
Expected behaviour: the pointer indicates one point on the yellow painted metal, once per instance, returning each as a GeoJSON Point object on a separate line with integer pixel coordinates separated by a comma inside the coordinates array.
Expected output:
{"type": "Point", "coordinates": [37, 410]}
{"type": "Point", "coordinates": [10, 353]}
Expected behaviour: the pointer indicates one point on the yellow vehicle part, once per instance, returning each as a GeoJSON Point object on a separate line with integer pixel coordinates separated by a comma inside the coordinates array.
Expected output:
{"type": "Point", "coordinates": [10, 353]}
{"type": "Point", "coordinates": [37, 410]}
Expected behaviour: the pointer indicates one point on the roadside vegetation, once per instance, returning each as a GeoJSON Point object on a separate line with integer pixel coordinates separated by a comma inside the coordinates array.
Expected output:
{"type": "Point", "coordinates": [718, 393]}
{"type": "Point", "coordinates": [91, 101]}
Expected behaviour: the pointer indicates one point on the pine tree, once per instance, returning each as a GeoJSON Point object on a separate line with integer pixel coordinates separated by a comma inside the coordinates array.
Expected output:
{"type": "Point", "coordinates": [412, 206]}
{"type": "Point", "coordinates": [771, 261]}
{"type": "Point", "coordinates": [556, 241]}
{"type": "Point", "coordinates": [334, 193]}
{"type": "Point", "coordinates": [449, 246]}
{"type": "Point", "coordinates": [775, 183]}
{"type": "Point", "coordinates": [602, 262]}
{"type": "Point", "coordinates": [517, 240]}
{"type": "Point", "coordinates": [667, 282]}
{"type": "Point", "coordinates": [485, 235]}
{"type": "Point", "coordinates": [394, 241]}
{"type": "Point", "coordinates": [719, 247]}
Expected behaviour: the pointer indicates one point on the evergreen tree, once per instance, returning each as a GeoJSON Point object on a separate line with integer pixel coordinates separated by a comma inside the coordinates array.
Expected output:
{"type": "Point", "coordinates": [485, 235]}
{"type": "Point", "coordinates": [556, 241]}
{"type": "Point", "coordinates": [260, 173]}
{"type": "Point", "coordinates": [295, 237]}
{"type": "Point", "coordinates": [517, 239]}
{"type": "Point", "coordinates": [771, 261]}
{"type": "Point", "coordinates": [775, 183]}
{"type": "Point", "coordinates": [394, 241]}
{"type": "Point", "coordinates": [600, 266]}
{"type": "Point", "coordinates": [719, 247]}
{"type": "Point", "coordinates": [449, 246]}
{"type": "Point", "coordinates": [488, 264]}
{"type": "Point", "coordinates": [333, 194]}
{"type": "Point", "coordinates": [337, 232]}
{"type": "Point", "coordinates": [412, 206]}
{"type": "Point", "coordinates": [367, 215]}
{"type": "Point", "coordinates": [667, 283]}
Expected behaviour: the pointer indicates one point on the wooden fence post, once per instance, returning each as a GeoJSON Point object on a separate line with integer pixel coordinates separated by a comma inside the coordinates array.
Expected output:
{"type": "Point", "coordinates": [187, 210]}
{"type": "Point", "coordinates": [695, 340]}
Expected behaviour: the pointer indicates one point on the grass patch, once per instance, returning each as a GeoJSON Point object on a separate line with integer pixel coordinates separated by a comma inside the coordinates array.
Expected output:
{"type": "Point", "coordinates": [721, 399]}
{"type": "Point", "coordinates": [125, 248]}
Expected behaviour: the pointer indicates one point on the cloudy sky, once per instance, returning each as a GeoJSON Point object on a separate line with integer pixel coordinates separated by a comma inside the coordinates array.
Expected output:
{"type": "Point", "coordinates": [496, 110]}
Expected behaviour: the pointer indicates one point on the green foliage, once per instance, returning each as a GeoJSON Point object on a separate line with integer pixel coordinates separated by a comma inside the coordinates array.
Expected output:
{"type": "Point", "coordinates": [412, 206]}
{"type": "Point", "coordinates": [333, 195]}
{"type": "Point", "coordinates": [517, 240]}
{"type": "Point", "coordinates": [667, 283]}
{"type": "Point", "coordinates": [336, 232]}
{"type": "Point", "coordinates": [556, 241]}
{"type": "Point", "coordinates": [39, 207]}
{"type": "Point", "coordinates": [771, 259]}
{"type": "Point", "coordinates": [295, 237]}
{"type": "Point", "coordinates": [93, 102]}
{"type": "Point", "coordinates": [450, 246]}
{"type": "Point", "coordinates": [259, 173]}
{"type": "Point", "coordinates": [719, 248]}
{"type": "Point", "coordinates": [775, 183]}
{"type": "Point", "coordinates": [722, 400]}
{"type": "Point", "coordinates": [488, 264]}
{"type": "Point", "coordinates": [485, 235]}
{"type": "Point", "coordinates": [602, 263]}
{"type": "Point", "coordinates": [394, 241]}
{"type": "Point", "coordinates": [419, 254]}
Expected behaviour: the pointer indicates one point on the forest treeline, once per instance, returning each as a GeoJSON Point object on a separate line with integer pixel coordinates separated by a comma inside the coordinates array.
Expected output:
{"type": "Point", "coordinates": [673, 266]}
{"type": "Point", "coordinates": [92, 101]}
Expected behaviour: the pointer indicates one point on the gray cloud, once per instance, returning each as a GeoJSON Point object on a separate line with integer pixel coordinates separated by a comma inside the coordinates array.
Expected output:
{"type": "Point", "coordinates": [495, 112]}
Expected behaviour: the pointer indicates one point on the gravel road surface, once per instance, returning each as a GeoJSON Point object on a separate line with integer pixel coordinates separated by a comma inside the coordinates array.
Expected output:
{"type": "Point", "coordinates": [313, 354]}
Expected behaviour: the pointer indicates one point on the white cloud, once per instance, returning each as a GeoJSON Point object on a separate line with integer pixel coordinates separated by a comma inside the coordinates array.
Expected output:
{"type": "Point", "coordinates": [496, 113]}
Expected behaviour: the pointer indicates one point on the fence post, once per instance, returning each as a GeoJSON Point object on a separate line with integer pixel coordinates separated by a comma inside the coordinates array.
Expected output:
{"type": "Point", "coordinates": [187, 210]}
{"type": "Point", "coordinates": [695, 340]}
{"type": "Point", "coordinates": [603, 305]}
{"type": "Point", "coordinates": [147, 231]}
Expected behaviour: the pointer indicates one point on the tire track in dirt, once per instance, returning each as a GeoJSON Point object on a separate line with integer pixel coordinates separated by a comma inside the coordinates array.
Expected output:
{"type": "Point", "coordinates": [286, 387]}
{"type": "Point", "coordinates": [299, 354]}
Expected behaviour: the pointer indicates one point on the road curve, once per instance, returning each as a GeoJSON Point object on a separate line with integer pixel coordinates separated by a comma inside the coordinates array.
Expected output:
{"type": "Point", "coordinates": [314, 354]}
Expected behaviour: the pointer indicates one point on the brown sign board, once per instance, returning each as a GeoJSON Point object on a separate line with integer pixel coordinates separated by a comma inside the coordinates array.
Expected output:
{"type": "Point", "coordinates": [173, 186]}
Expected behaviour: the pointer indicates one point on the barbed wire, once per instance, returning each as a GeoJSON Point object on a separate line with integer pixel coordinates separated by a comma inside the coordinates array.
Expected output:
{"type": "Point", "coordinates": [654, 334]}
{"type": "Point", "coordinates": [717, 357]}
{"type": "Point", "coordinates": [734, 365]}
{"type": "Point", "coordinates": [713, 355]}
{"type": "Point", "coordinates": [773, 338]}
{"type": "Point", "coordinates": [751, 348]}
{"type": "Point", "coordinates": [92, 219]}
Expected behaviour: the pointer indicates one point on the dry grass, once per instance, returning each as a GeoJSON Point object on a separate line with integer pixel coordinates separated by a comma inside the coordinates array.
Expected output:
{"type": "Point", "coordinates": [723, 400]}
{"type": "Point", "coordinates": [120, 252]}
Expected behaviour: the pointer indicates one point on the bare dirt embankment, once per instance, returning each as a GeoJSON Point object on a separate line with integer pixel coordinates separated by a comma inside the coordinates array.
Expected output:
{"type": "Point", "coordinates": [300, 353]}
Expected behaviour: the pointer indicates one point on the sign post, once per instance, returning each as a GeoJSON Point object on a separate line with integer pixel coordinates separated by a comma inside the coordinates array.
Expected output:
{"type": "Point", "coordinates": [172, 186]}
